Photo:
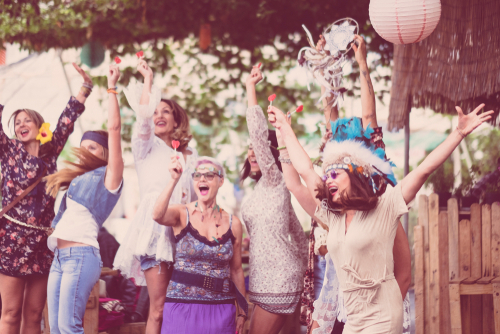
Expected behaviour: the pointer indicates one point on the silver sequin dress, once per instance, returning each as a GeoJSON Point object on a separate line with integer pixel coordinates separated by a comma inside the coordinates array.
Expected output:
{"type": "Point", "coordinates": [278, 246]}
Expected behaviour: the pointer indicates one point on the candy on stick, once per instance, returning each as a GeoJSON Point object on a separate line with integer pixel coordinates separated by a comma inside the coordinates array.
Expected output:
{"type": "Point", "coordinates": [298, 109]}
{"type": "Point", "coordinates": [271, 99]}
{"type": "Point", "coordinates": [140, 54]}
{"type": "Point", "coordinates": [117, 60]}
{"type": "Point", "coordinates": [175, 144]}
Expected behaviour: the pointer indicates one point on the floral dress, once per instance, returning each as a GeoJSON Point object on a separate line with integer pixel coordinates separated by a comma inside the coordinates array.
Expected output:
{"type": "Point", "coordinates": [23, 250]}
{"type": "Point", "coordinates": [278, 245]}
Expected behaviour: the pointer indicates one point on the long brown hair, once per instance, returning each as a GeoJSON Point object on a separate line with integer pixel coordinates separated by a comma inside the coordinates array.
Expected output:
{"type": "Point", "coordinates": [182, 133]}
{"type": "Point", "coordinates": [86, 163]}
{"type": "Point", "coordinates": [246, 171]}
{"type": "Point", "coordinates": [361, 198]}
{"type": "Point", "coordinates": [46, 148]}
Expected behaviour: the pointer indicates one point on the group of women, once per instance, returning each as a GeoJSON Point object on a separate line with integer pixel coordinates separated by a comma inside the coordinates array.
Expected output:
{"type": "Point", "coordinates": [182, 244]}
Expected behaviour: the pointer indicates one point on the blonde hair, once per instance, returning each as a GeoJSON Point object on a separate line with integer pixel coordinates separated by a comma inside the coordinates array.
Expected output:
{"type": "Point", "coordinates": [86, 162]}
{"type": "Point", "coordinates": [38, 119]}
{"type": "Point", "coordinates": [182, 133]}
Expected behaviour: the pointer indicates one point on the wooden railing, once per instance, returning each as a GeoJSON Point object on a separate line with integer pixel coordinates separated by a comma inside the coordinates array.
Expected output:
{"type": "Point", "coordinates": [457, 268]}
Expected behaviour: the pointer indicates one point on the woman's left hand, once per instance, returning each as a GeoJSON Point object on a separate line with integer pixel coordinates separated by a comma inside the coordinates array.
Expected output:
{"type": "Point", "coordinates": [240, 322]}
{"type": "Point", "coordinates": [467, 123]}
{"type": "Point", "coordinates": [84, 75]}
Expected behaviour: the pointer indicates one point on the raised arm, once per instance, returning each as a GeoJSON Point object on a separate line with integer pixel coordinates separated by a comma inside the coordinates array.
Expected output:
{"type": "Point", "coordinates": [163, 213]}
{"type": "Point", "coordinates": [4, 139]}
{"type": "Point", "coordinates": [412, 183]}
{"type": "Point", "coordinates": [87, 85]}
{"type": "Point", "coordinates": [369, 115]}
{"type": "Point", "coordinates": [143, 99]}
{"type": "Point", "coordinates": [292, 178]}
{"type": "Point", "coordinates": [299, 158]}
{"type": "Point", "coordinates": [257, 128]}
{"type": "Point", "coordinates": [114, 171]}
{"type": "Point", "coordinates": [237, 270]}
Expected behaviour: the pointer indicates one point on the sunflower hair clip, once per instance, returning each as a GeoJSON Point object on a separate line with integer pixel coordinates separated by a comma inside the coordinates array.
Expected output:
{"type": "Point", "coordinates": [44, 133]}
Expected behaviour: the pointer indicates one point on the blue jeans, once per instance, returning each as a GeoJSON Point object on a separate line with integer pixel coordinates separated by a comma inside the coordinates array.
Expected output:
{"type": "Point", "coordinates": [74, 272]}
{"type": "Point", "coordinates": [319, 274]}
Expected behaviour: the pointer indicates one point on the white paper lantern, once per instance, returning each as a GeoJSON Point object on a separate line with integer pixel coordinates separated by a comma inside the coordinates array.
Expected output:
{"type": "Point", "coordinates": [404, 21]}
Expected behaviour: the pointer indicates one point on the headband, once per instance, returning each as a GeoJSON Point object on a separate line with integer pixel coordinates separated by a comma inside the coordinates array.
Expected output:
{"type": "Point", "coordinates": [97, 137]}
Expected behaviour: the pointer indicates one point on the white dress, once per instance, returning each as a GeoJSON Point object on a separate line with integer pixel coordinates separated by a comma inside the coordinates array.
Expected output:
{"type": "Point", "coordinates": [152, 158]}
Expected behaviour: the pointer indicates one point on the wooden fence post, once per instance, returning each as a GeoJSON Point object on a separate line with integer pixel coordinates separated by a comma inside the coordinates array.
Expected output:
{"type": "Point", "coordinates": [476, 301]}
{"type": "Point", "coordinates": [423, 220]}
{"type": "Point", "coordinates": [418, 246]}
{"type": "Point", "coordinates": [434, 269]}
{"type": "Point", "coordinates": [464, 261]}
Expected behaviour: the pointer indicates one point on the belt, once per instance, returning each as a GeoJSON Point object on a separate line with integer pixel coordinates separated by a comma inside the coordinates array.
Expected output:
{"type": "Point", "coordinates": [367, 283]}
{"type": "Point", "coordinates": [211, 283]}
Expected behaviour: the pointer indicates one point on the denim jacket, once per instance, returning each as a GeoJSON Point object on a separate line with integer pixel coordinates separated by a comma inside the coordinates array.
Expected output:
{"type": "Point", "coordinates": [89, 190]}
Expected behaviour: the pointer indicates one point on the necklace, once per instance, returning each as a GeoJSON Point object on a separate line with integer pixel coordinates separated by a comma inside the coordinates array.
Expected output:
{"type": "Point", "coordinates": [216, 213]}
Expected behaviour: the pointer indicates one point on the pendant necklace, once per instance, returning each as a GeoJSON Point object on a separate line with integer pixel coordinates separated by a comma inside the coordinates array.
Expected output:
{"type": "Point", "coordinates": [216, 211]}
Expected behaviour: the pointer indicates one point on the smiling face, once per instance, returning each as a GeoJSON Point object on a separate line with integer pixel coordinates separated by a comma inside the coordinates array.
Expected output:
{"type": "Point", "coordinates": [25, 127]}
{"type": "Point", "coordinates": [93, 147]}
{"type": "Point", "coordinates": [337, 182]}
{"type": "Point", "coordinates": [254, 166]}
{"type": "Point", "coordinates": [163, 119]}
{"type": "Point", "coordinates": [207, 189]}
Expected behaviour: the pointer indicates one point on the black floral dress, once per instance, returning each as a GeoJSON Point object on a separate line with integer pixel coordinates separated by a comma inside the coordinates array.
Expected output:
{"type": "Point", "coordinates": [23, 250]}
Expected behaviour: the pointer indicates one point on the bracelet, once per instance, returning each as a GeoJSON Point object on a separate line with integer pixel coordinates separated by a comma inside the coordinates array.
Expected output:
{"type": "Point", "coordinates": [284, 160]}
{"type": "Point", "coordinates": [88, 85]}
{"type": "Point", "coordinates": [461, 133]}
{"type": "Point", "coordinates": [111, 90]}
{"type": "Point", "coordinates": [85, 91]}
{"type": "Point", "coordinates": [244, 316]}
{"type": "Point", "coordinates": [281, 148]}
{"type": "Point", "coordinates": [114, 88]}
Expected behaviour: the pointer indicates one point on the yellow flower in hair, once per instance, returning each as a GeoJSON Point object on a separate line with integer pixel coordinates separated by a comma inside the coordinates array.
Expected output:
{"type": "Point", "coordinates": [44, 134]}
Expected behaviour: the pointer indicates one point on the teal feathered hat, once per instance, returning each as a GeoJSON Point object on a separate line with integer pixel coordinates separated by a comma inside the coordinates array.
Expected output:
{"type": "Point", "coordinates": [351, 148]}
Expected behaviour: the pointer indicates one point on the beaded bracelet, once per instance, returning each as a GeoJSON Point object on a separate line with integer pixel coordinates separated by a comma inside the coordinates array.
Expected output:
{"type": "Point", "coordinates": [284, 160]}
{"type": "Point", "coordinates": [461, 133]}
{"type": "Point", "coordinates": [85, 91]}
{"type": "Point", "coordinates": [88, 85]}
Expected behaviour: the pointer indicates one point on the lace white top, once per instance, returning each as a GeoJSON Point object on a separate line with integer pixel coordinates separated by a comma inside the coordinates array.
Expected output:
{"type": "Point", "coordinates": [278, 245]}
{"type": "Point", "coordinates": [152, 157]}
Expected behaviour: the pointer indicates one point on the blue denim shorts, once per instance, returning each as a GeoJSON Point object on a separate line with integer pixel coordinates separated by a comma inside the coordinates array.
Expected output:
{"type": "Point", "coordinates": [148, 262]}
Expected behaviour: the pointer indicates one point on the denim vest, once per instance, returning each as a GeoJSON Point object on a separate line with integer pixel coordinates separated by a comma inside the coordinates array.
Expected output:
{"type": "Point", "coordinates": [89, 190]}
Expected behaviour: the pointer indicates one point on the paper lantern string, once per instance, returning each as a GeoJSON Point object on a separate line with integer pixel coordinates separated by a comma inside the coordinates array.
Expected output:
{"type": "Point", "coordinates": [298, 109]}
{"type": "Point", "coordinates": [271, 99]}
{"type": "Point", "coordinates": [140, 54]}
{"type": "Point", "coordinates": [117, 60]}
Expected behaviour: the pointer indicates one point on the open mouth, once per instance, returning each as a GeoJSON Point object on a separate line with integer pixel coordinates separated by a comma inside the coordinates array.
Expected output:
{"type": "Point", "coordinates": [333, 190]}
{"type": "Point", "coordinates": [253, 162]}
{"type": "Point", "coordinates": [24, 133]}
{"type": "Point", "coordinates": [203, 189]}
{"type": "Point", "coordinates": [161, 123]}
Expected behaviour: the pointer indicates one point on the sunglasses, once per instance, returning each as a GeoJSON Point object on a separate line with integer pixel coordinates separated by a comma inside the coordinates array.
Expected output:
{"type": "Point", "coordinates": [331, 173]}
{"type": "Point", "coordinates": [208, 176]}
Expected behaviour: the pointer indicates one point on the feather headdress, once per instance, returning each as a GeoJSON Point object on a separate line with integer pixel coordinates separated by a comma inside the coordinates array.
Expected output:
{"type": "Point", "coordinates": [351, 148]}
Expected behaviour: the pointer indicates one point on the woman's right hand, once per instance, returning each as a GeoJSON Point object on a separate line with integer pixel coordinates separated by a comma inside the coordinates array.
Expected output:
{"type": "Point", "coordinates": [276, 117]}
{"type": "Point", "coordinates": [84, 75]}
{"type": "Point", "coordinates": [113, 75]}
{"type": "Point", "coordinates": [175, 167]}
{"type": "Point", "coordinates": [254, 77]}
{"type": "Point", "coordinates": [144, 69]}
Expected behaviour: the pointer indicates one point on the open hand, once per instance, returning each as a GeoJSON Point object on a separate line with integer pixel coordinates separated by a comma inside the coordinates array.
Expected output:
{"type": "Point", "coordinates": [113, 75]}
{"type": "Point", "coordinates": [467, 123]}
{"type": "Point", "coordinates": [84, 75]}
{"type": "Point", "coordinates": [175, 167]}
{"type": "Point", "coordinates": [360, 49]}
{"type": "Point", "coordinates": [144, 69]}
{"type": "Point", "coordinates": [254, 77]}
{"type": "Point", "coordinates": [276, 117]}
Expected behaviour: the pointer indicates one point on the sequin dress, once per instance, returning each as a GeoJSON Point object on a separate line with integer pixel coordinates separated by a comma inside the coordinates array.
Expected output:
{"type": "Point", "coordinates": [278, 245]}
{"type": "Point", "coordinates": [23, 250]}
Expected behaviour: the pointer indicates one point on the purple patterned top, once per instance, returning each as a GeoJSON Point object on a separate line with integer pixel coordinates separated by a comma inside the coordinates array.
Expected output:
{"type": "Point", "coordinates": [195, 254]}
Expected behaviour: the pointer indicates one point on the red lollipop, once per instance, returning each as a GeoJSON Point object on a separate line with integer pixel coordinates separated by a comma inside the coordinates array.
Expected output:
{"type": "Point", "coordinates": [298, 109]}
{"type": "Point", "coordinates": [140, 54]}
{"type": "Point", "coordinates": [117, 60]}
{"type": "Point", "coordinates": [175, 144]}
{"type": "Point", "coordinates": [271, 99]}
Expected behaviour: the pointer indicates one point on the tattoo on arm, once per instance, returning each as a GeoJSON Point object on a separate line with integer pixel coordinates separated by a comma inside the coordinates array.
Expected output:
{"type": "Point", "coordinates": [368, 80]}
